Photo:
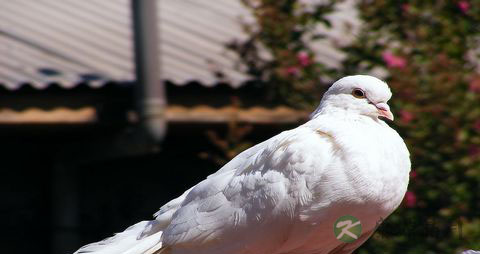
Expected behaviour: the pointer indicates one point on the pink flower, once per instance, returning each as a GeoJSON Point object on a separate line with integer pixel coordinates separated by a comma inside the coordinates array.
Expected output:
{"type": "Point", "coordinates": [474, 151]}
{"type": "Point", "coordinates": [394, 61]}
{"type": "Point", "coordinates": [464, 6]}
{"type": "Point", "coordinates": [405, 7]}
{"type": "Point", "coordinates": [292, 70]}
{"type": "Point", "coordinates": [474, 85]}
{"type": "Point", "coordinates": [406, 116]}
{"type": "Point", "coordinates": [410, 199]}
{"type": "Point", "coordinates": [476, 125]}
{"type": "Point", "coordinates": [303, 58]}
{"type": "Point", "coordinates": [413, 174]}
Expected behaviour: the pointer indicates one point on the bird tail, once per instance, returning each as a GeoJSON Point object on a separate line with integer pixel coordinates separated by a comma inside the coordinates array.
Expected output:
{"type": "Point", "coordinates": [131, 241]}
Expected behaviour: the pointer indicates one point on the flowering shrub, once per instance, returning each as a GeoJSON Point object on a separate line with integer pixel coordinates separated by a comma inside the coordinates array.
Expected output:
{"type": "Point", "coordinates": [428, 49]}
{"type": "Point", "coordinates": [278, 51]}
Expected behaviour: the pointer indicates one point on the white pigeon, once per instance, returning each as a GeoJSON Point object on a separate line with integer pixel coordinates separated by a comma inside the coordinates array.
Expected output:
{"type": "Point", "coordinates": [284, 195]}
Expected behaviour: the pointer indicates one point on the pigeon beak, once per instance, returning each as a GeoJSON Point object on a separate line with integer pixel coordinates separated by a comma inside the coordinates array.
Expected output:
{"type": "Point", "coordinates": [384, 111]}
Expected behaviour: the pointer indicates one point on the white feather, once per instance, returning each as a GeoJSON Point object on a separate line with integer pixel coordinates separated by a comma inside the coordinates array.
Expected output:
{"type": "Point", "coordinates": [117, 244]}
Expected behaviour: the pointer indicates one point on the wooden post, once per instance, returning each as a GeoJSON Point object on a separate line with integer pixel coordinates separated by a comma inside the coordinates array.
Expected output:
{"type": "Point", "coordinates": [65, 212]}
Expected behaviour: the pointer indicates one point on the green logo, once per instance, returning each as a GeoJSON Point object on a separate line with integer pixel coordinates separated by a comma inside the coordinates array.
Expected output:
{"type": "Point", "coordinates": [347, 229]}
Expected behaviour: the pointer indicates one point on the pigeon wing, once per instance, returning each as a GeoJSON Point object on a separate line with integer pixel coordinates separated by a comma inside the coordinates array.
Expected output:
{"type": "Point", "coordinates": [256, 196]}
{"type": "Point", "coordinates": [164, 215]}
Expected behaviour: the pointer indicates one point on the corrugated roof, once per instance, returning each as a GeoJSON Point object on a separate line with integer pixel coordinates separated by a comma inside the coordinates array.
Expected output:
{"type": "Point", "coordinates": [254, 115]}
{"type": "Point", "coordinates": [70, 42]}
{"type": "Point", "coordinates": [174, 114]}
{"type": "Point", "coordinates": [61, 115]}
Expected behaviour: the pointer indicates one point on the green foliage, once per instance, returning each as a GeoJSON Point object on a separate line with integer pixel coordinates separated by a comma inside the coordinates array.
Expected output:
{"type": "Point", "coordinates": [426, 47]}
{"type": "Point", "coordinates": [278, 51]}
{"type": "Point", "coordinates": [430, 52]}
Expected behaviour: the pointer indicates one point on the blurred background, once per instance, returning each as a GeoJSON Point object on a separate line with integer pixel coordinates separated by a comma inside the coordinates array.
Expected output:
{"type": "Point", "coordinates": [109, 109]}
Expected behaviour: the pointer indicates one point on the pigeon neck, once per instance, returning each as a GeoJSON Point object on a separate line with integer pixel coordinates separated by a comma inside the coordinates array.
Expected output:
{"type": "Point", "coordinates": [345, 106]}
{"type": "Point", "coordinates": [331, 105]}
{"type": "Point", "coordinates": [341, 111]}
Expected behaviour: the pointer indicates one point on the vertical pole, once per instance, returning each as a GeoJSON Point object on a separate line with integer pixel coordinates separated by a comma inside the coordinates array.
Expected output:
{"type": "Point", "coordinates": [150, 93]}
{"type": "Point", "coordinates": [65, 213]}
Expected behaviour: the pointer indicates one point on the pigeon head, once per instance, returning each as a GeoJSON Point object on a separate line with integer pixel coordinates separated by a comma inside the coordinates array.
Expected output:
{"type": "Point", "coordinates": [359, 94]}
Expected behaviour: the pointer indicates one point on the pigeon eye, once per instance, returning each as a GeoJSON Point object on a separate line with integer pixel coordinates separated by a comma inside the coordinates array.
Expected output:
{"type": "Point", "coordinates": [358, 93]}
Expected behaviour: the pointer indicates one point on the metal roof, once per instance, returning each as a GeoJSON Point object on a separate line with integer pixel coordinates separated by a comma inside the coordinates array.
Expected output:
{"type": "Point", "coordinates": [173, 114]}
{"type": "Point", "coordinates": [252, 115]}
{"type": "Point", "coordinates": [60, 115]}
{"type": "Point", "coordinates": [90, 41]}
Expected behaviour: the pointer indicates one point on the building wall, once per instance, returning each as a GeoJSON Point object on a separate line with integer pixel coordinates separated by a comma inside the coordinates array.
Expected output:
{"type": "Point", "coordinates": [51, 205]}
